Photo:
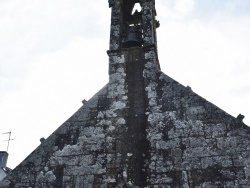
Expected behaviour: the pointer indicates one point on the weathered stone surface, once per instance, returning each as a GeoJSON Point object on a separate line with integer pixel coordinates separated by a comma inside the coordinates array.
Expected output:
{"type": "Point", "coordinates": [143, 129]}
{"type": "Point", "coordinates": [128, 135]}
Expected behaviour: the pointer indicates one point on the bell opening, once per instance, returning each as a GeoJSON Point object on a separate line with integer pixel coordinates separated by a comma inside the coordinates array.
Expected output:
{"type": "Point", "coordinates": [137, 7]}
{"type": "Point", "coordinates": [133, 37]}
{"type": "Point", "coordinates": [132, 25]}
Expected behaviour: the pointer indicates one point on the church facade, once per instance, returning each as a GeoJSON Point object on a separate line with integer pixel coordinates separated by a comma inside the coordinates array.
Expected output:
{"type": "Point", "coordinates": [141, 130]}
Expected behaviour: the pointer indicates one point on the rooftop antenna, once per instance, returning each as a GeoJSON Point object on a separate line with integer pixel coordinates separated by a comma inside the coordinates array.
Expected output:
{"type": "Point", "coordinates": [9, 139]}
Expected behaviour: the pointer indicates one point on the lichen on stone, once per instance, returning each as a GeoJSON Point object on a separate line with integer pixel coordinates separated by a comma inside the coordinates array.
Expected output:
{"type": "Point", "coordinates": [49, 176]}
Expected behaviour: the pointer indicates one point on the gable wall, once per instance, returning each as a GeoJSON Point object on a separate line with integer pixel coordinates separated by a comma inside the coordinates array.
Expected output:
{"type": "Point", "coordinates": [194, 143]}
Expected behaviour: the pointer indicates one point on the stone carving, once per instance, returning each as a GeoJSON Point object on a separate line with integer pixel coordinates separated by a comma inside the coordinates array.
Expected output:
{"type": "Point", "coordinates": [240, 117]}
{"type": "Point", "coordinates": [111, 3]}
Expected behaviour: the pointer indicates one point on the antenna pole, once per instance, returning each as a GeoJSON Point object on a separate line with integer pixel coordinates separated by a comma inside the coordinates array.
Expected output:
{"type": "Point", "coordinates": [9, 139]}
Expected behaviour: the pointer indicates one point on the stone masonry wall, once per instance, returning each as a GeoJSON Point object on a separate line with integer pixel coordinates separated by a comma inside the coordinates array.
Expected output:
{"type": "Point", "coordinates": [102, 144]}
{"type": "Point", "coordinates": [142, 130]}
{"type": "Point", "coordinates": [193, 143]}
{"type": "Point", "coordinates": [70, 156]}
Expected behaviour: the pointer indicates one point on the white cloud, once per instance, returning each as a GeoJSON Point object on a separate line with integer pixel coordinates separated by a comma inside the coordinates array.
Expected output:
{"type": "Point", "coordinates": [53, 90]}
{"type": "Point", "coordinates": [53, 55]}
{"type": "Point", "coordinates": [212, 56]}
{"type": "Point", "coordinates": [30, 28]}
{"type": "Point", "coordinates": [177, 10]}
{"type": "Point", "coordinates": [184, 7]}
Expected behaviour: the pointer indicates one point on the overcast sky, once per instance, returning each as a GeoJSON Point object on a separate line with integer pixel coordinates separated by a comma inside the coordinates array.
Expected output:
{"type": "Point", "coordinates": [53, 55]}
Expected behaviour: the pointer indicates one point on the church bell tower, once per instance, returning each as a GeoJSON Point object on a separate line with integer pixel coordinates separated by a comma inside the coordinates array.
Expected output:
{"type": "Point", "coordinates": [133, 29]}
{"type": "Point", "coordinates": [133, 62]}
{"type": "Point", "coordinates": [143, 129]}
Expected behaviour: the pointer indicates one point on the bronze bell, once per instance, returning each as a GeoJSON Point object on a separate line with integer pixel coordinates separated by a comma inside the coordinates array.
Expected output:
{"type": "Point", "coordinates": [131, 39]}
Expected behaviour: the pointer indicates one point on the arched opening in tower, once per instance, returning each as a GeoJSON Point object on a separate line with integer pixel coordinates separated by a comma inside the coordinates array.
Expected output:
{"type": "Point", "coordinates": [132, 24]}
{"type": "Point", "coordinates": [137, 7]}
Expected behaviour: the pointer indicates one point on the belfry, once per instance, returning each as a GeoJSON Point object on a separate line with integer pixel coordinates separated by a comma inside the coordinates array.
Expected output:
{"type": "Point", "coordinates": [143, 129]}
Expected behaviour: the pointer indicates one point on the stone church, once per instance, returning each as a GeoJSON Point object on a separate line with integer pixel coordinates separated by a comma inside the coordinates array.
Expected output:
{"type": "Point", "coordinates": [141, 130]}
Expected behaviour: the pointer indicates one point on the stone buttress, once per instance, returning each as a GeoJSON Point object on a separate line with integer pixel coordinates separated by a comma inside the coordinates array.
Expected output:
{"type": "Point", "coordinates": [143, 129]}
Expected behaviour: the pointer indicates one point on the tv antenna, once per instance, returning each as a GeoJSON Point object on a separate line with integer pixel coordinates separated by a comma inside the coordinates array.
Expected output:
{"type": "Point", "coordinates": [9, 139]}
